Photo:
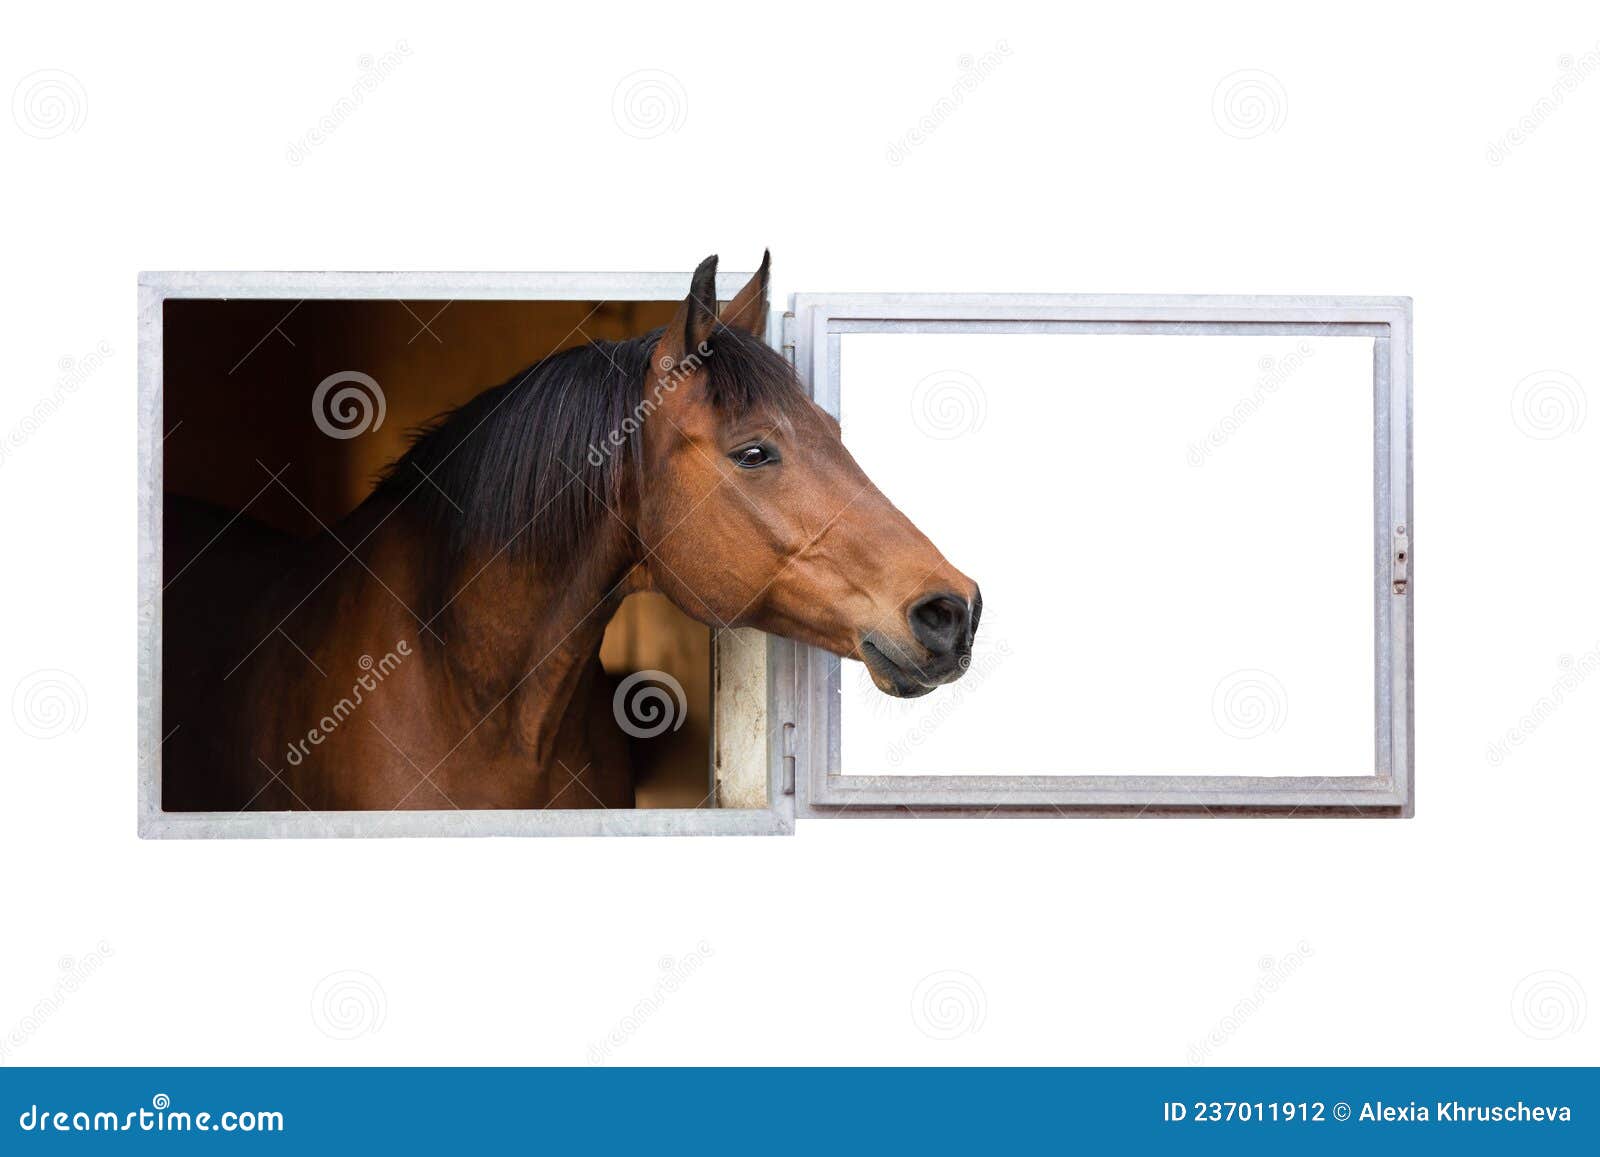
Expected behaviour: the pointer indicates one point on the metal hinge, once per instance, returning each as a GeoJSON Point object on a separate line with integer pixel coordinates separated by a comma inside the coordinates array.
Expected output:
{"type": "Point", "coordinates": [1401, 560]}
{"type": "Point", "coordinates": [788, 759]}
{"type": "Point", "coordinates": [788, 337]}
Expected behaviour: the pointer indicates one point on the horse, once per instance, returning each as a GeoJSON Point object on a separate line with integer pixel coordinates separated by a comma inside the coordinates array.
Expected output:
{"type": "Point", "coordinates": [438, 647]}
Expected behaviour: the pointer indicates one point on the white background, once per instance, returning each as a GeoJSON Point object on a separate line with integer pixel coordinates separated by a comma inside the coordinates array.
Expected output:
{"type": "Point", "coordinates": [1094, 158]}
{"type": "Point", "coordinates": [1171, 601]}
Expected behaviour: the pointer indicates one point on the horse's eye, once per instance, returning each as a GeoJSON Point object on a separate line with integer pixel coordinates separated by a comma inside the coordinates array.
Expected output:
{"type": "Point", "coordinates": [752, 456]}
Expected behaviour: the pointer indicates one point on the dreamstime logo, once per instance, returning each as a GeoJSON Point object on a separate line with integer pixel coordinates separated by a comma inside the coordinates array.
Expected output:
{"type": "Point", "coordinates": [1249, 103]}
{"type": "Point", "coordinates": [649, 103]}
{"type": "Point", "coordinates": [50, 703]}
{"type": "Point", "coordinates": [647, 703]}
{"type": "Point", "coordinates": [950, 1004]}
{"type": "Point", "coordinates": [1574, 71]}
{"type": "Point", "coordinates": [372, 674]}
{"type": "Point", "coordinates": [1550, 1004]}
{"type": "Point", "coordinates": [49, 103]}
{"type": "Point", "coordinates": [74, 972]}
{"type": "Point", "coordinates": [1274, 972]}
{"type": "Point", "coordinates": [350, 411]}
{"type": "Point", "coordinates": [948, 404]}
{"type": "Point", "coordinates": [74, 373]}
{"type": "Point", "coordinates": [1274, 372]}
{"type": "Point", "coordinates": [671, 375]}
{"type": "Point", "coordinates": [1249, 704]}
{"type": "Point", "coordinates": [374, 71]}
{"type": "Point", "coordinates": [155, 1119]}
{"type": "Point", "coordinates": [675, 973]}
{"type": "Point", "coordinates": [974, 71]}
{"type": "Point", "coordinates": [349, 1004]}
{"type": "Point", "coordinates": [1574, 672]}
{"type": "Point", "coordinates": [1549, 404]}
{"type": "Point", "coordinates": [978, 667]}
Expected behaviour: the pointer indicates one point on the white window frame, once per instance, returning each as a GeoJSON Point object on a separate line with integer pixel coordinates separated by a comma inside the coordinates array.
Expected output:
{"type": "Point", "coordinates": [810, 697]}
{"type": "Point", "coordinates": [746, 759]}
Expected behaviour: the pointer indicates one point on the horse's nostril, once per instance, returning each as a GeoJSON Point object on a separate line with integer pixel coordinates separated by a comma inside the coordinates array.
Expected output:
{"type": "Point", "coordinates": [939, 622]}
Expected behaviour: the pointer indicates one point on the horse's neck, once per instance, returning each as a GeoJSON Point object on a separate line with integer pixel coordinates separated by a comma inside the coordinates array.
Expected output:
{"type": "Point", "coordinates": [511, 644]}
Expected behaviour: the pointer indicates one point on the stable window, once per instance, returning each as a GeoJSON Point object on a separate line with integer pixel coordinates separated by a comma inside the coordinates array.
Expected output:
{"type": "Point", "coordinates": [252, 422]}
{"type": "Point", "coordinates": [1189, 518]}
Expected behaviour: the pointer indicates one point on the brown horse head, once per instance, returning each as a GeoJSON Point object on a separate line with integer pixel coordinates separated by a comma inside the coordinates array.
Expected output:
{"type": "Point", "coordinates": [753, 513]}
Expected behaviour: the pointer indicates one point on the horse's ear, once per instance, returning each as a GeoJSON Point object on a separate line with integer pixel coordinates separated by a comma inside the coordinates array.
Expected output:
{"type": "Point", "coordinates": [691, 325]}
{"type": "Point", "coordinates": [748, 309]}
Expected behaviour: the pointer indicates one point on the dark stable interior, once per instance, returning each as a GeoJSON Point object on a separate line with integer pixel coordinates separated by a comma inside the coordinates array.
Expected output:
{"type": "Point", "coordinates": [238, 378]}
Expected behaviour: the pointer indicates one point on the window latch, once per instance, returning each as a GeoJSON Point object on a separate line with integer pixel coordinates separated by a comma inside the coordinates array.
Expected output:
{"type": "Point", "coordinates": [1402, 560]}
{"type": "Point", "coordinates": [788, 759]}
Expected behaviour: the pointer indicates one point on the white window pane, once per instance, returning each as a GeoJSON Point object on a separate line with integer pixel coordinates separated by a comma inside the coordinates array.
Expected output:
{"type": "Point", "coordinates": [1174, 539]}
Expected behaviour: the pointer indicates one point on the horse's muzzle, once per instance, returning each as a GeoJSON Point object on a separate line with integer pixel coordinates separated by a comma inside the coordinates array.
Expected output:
{"type": "Point", "coordinates": [943, 625]}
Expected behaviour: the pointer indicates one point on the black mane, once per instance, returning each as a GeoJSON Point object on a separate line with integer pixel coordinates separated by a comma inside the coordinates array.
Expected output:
{"type": "Point", "coordinates": [534, 462]}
